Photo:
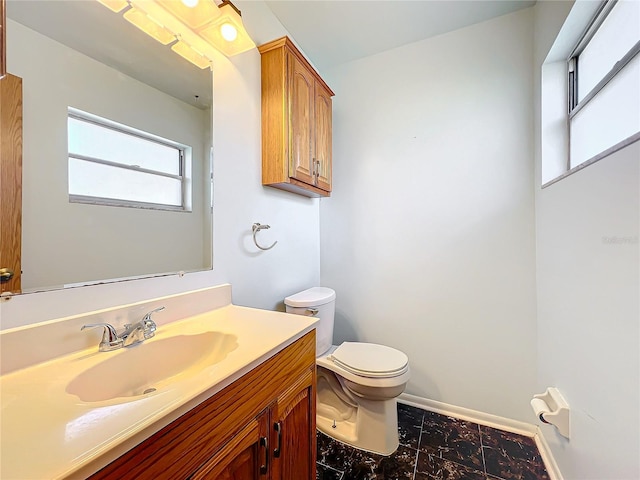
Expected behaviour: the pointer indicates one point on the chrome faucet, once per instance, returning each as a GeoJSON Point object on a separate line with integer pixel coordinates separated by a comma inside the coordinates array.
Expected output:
{"type": "Point", "coordinates": [132, 334]}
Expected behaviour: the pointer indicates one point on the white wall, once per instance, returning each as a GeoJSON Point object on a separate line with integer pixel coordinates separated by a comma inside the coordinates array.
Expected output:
{"type": "Point", "coordinates": [588, 267]}
{"type": "Point", "coordinates": [259, 279]}
{"type": "Point", "coordinates": [67, 242]}
{"type": "Point", "coordinates": [428, 237]}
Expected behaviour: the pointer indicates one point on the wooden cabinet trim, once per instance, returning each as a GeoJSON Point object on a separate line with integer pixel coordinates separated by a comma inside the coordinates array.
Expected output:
{"type": "Point", "coordinates": [3, 39]}
{"type": "Point", "coordinates": [275, 114]}
{"type": "Point", "coordinates": [291, 47]}
{"type": "Point", "coordinates": [11, 180]}
{"type": "Point", "coordinates": [294, 390]}
{"type": "Point", "coordinates": [190, 438]}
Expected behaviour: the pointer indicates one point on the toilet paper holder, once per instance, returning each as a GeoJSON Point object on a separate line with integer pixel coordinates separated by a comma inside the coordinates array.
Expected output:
{"type": "Point", "coordinates": [551, 408]}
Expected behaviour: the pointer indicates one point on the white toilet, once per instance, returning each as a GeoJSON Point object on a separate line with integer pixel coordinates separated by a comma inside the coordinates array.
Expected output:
{"type": "Point", "coordinates": [357, 382]}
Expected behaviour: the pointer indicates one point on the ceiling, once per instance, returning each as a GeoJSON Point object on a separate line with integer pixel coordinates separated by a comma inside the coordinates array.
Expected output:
{"type": "Point", "coordinates": [331, 32]}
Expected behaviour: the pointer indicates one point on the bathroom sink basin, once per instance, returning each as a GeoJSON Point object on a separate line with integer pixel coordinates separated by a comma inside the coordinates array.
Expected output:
{"type": "Point", "coordinates": [133, 372]}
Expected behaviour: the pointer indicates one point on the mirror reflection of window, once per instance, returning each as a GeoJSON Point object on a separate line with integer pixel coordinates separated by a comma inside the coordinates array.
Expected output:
{"type": "Point", "coordinates": [112, 164]}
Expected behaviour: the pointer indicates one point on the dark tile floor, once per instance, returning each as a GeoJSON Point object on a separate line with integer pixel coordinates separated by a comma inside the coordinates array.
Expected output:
{"type": "Point", "coordinates": [436, 447]}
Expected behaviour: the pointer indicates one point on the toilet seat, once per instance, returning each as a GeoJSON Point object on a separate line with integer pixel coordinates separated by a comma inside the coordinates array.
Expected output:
{"type": "Point", "coordinates": [327, 361]}
{"type": "Point", "coordinates": [370, 360]}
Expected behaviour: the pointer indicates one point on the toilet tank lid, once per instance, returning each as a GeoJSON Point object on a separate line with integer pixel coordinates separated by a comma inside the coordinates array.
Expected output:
{"type": "Point", "coordinates": [311, 297]}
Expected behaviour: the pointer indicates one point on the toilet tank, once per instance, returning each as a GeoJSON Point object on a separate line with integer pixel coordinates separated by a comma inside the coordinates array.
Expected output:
{"type": "Point", "coordinates": [316, 302]}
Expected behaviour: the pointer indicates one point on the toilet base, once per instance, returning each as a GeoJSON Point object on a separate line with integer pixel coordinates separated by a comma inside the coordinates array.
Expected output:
{"type": "Point", "coordinates": [372, 425]}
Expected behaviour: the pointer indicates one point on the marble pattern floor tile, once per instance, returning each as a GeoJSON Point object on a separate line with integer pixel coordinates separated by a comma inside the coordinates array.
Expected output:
{"type": "Point", "coordinates": [369, 466]}
{"type": "Point", "coordinates": [332, 453]}
{"type": "Point", "coordinates": [511, 456]}
{"type": "Point", "coordinates": [430, 467]}
{"type": "Point", "coordinates": [435, 447]}
{"type": "Point", "coordinates": [409, 425]}
{"type": "Point", "coordinates": [327, 473]}
{"type": "Point", "coordinates": [452, 439]}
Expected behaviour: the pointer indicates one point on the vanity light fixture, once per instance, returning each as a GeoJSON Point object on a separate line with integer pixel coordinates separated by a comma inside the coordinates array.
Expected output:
{"type": "Point", "coordinates": [115, 5]}
{"type": "Point", "coordinates": [187, 52]}
{"type": "Point", "coordinates": [193, 28]}
{"type": "Point", "coordinates": [149, 26]}
{"type": "Point", "coordinates": [227, 33]}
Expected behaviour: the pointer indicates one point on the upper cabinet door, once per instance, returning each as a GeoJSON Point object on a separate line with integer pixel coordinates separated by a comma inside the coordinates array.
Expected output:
{"type": "Point", "coordinates": [301, 124]}
{"type": "Point", "coordinates": [323, 137]}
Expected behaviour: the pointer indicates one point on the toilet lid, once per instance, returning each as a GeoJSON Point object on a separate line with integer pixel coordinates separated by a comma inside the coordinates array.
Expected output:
{"type": "Point", "coordinates": [370, 359]}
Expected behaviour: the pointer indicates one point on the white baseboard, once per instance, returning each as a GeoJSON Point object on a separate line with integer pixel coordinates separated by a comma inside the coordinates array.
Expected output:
{"type": "Point", "coordinates": [489, 420]}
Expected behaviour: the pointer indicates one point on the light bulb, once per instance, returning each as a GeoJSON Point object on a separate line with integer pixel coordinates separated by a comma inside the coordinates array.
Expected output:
{"type": "Point", "coordinates": [190, 3]}
{"type": "Point", "coordinates": [228, 32]}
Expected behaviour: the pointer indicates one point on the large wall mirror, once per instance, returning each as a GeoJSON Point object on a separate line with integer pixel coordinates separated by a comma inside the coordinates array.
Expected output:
{"type": "Point", "coordinates": [79, 56]}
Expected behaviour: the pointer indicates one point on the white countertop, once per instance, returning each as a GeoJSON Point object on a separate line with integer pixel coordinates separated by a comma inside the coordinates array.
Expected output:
{"type": "Point", "coordinates": [48, 433]}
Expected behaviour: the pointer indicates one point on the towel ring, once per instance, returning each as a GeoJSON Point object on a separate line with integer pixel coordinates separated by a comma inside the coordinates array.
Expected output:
{"type": "Point", "coordinates": [256, 228]}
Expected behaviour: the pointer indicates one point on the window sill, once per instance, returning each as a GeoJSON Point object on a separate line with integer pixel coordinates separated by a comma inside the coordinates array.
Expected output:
{"type": "Point", "coordinates": [619, 146]}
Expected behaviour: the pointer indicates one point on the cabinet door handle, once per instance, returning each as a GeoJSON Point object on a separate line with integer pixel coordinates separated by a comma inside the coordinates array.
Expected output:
{"type": "Point", "coordinates": [264, 468]}
{"type": "Point", "coordinates": [278, 428]}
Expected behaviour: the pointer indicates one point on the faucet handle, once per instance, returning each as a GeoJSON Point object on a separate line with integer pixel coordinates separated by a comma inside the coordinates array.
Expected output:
{"type": "Point", "coordinates": [147, 316]}
{"type": "Point", "coordinates": [110, 339]}
{"type": "Point", "coordinates": [148, 324]}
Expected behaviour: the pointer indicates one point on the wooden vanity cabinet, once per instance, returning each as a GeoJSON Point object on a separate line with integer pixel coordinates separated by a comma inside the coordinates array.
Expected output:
{"type": "Point", "coordinates": [245, 456]}
{"type": "Point", "coordinates": [294, 449]}
{"type": "Point", "coordinates": [261, 427]}
{"type": "Point", "coordinates": [296, 122]}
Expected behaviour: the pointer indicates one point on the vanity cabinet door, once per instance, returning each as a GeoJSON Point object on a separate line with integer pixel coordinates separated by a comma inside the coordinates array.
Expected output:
{"type": "Point", "coordinates": [244, 457]}
{"type": "Point", "coordinates": [294, 431]}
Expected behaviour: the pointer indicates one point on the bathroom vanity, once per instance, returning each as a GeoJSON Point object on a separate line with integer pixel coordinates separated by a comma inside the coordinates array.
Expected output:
{"type": "Point", "coordinates": [227, 392]}
{"type": "Point", "coordinates": [260, 426]}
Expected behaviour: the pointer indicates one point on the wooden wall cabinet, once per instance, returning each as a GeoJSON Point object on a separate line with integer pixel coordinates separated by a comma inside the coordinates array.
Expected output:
{"type": "Point", "coordinates": [260, 427]}
{"type": "Point", "coordinates": [296, 122]}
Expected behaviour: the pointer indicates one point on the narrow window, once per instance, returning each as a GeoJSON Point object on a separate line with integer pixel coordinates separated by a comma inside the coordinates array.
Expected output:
{"type": "Point", "coordinates": [604, 83]}
{"type": "Point", "coordinates": [112, 164]}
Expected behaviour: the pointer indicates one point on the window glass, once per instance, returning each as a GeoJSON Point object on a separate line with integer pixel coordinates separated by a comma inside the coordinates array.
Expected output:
{"type": "Point", "coordinates": [612, 116]}
{"type": "Point", "coordinates": [614, 38]}
{"type": "Point", "coordinates": [99, 141]}
{"type": "Point", "coordinates": [607, 81]}
{"type": "Point", "coordinates": [114, 164]}
{"type": "Point", "coordinates": [103, 181]}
